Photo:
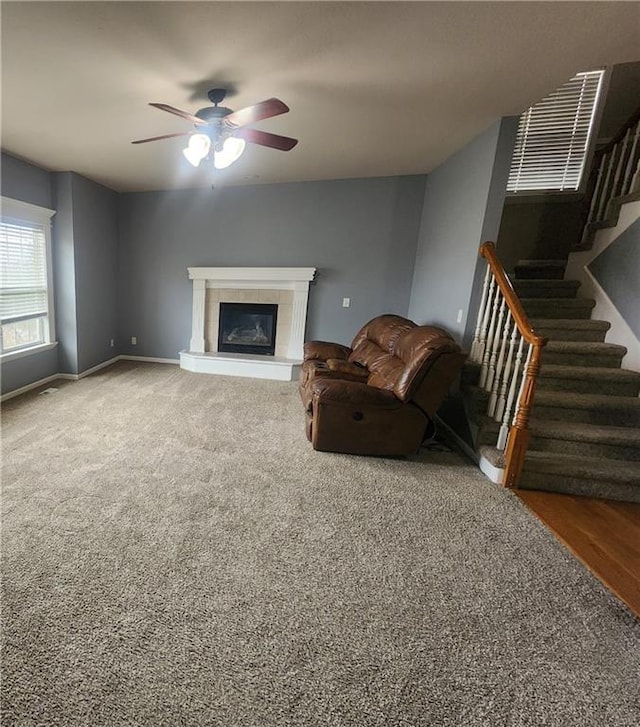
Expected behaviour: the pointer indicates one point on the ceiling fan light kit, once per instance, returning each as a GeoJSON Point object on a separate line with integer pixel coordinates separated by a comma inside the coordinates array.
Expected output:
{"type": "Point", "coordinates": [224, 130]}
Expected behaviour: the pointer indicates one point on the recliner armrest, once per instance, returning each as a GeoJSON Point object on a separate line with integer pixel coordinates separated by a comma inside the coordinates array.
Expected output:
{"type": "Point", "coordinates": [352, 393]}
{"type": "Point", "coordinates": [323, 350]}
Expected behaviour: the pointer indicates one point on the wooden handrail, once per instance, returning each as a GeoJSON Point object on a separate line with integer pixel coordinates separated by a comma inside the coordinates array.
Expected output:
{"type": "Point", "coordinates": [488, 252]}
{"type": "Point", "coordinates": [519, 435]}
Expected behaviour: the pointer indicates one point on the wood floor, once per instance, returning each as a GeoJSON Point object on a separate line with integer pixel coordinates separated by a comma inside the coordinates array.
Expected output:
{"type": "Point", "coordinates": [603, 534]}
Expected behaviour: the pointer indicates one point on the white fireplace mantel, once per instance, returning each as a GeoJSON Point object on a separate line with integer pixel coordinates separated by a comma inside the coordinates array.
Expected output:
{"type": "Point", "coordinates": [294, 279]}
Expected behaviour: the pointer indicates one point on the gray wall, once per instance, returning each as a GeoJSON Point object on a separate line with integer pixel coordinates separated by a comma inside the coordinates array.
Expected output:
{"type": "Point", "coordinates": [28, 183]}
{"type": "Point", "coordinates": [360, 234]}
{"type": "Point", "coordinates": [462, 208]}
{"type": "Point", "coordinates": [84, 251]}
{"type": "Point", "coordinates": [617, 270]}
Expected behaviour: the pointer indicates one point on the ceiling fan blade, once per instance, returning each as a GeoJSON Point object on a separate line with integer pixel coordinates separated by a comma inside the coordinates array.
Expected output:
{"type": "Point", "coordinates": [164, 136]}
{"type": "Point", "coordinates": [257, 112]}
{"type": "Point", "coordinates": [177, 112]}
{"type": "Point", "coordinates": [264, 138]}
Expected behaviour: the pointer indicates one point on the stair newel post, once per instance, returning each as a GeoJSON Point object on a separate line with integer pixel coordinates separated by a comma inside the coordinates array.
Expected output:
{"type": "Point", "coordinates": [476, 353]}
{"type": "Point", "coordinates": [489, 343]}
{"type": "Point", "coordinates": [506, 418]}
{"type": "Point", "coordinates": [501, 370]}
{"type": "Point", "coordinates": [497, 340]}
{"type": "Point", "coordinates": [627, 182]}
{"type": "Point", "coordinates": [519, 435]}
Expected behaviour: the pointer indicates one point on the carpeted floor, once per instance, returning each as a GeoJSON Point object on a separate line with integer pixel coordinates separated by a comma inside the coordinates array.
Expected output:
{"type": "Point", "coordinates": [176, 554]}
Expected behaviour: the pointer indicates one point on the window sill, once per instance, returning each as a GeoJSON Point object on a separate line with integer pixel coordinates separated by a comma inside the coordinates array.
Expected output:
{"type": "Point", "coordinates": [40, 348]}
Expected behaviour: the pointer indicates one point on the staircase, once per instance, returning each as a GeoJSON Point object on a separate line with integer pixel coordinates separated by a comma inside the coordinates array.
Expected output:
{"type": "Point", "coordinates": [585, 423]}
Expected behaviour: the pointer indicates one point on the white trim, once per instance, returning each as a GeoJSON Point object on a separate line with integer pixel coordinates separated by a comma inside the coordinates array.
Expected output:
{"type": "Point", "coordinates": [495, 474]}
{"type": "Point", "coordinates": [149, 359]}
{"type": "Point", "coordinates": [28, 387]}
{"type": "Point", "coordinates": [22, 352]}
{"type": "Point", "coordinates": [294, 279]}
{"type": "Point", "coordinates": [18, 210]}
{"type": "Point", "coordinates": [577, 269]}
{"type": "Point", "coordinates": [252, 275]}
{"type": "Point", "coordinates": [238, 364]}
{"type": "Point", "coordinates": [469, 451]}
{"type": "Point", "coordinates": [87, 372]}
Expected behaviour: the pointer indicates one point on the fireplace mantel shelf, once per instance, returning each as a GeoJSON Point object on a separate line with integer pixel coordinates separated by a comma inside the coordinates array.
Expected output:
{"type": "Point", "coordinates": [256, 278]}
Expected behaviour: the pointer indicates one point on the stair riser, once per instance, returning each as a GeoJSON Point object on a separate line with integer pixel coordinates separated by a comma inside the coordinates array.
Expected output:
{"type": "Point", "coordinates": [586, 386]}
{"type": "Point", "coordinates": [582, 359]}
{"type": "Point", "coordinates": [523, 272]}
{"type": "Point", "coordinates": [586, 449]}
{"type": "Point", "coordinates": [527, 290]}
{"type": "Point", "coordinates": [612, 417]}
{"type": "Point", "coordinates": [571, 334]}
{"type": "Point", "coordinates": [579, 486]}
{"type": "Point", "coordinates": [546, 309]}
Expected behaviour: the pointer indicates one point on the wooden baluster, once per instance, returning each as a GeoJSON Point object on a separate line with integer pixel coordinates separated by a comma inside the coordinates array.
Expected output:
{"type": "Point", "coordinates": [506, 419]}
{"type": "Point", "coordinates": [500, 405]}
{"type": "Point", "coordinates": [627, 182]}
{"type": "Point", "coordinates": [501, 370]}
{"type": "Point", "coordinates": [623, 150]}
{"type": "Point", "coordinates": [476, 355]}
{"type": "Point", "coordinates": [606, 191]}
{"type": "Point", "coordinates": [519, 435]}
{"type": "Point", "coordinates": [485, 319]}
{"type": "Point", "coordinates": [598, 189]}
{"type": "Point", "coordinates": [489, 344]}
{"type": "Point", "coordinates": [494, 348]}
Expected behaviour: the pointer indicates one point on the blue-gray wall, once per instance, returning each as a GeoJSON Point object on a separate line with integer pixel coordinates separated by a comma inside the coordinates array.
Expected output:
{"type": "Point", "coordinates": [360, 234]}
{"type": "Point", "coordinates": [28, 183]}
{"type": "Point", "coordinates": [85, 258]}
{"type": "Point", "coordinates": [617, 270]}
{"type": "Point", "coordinates": [462, 207]}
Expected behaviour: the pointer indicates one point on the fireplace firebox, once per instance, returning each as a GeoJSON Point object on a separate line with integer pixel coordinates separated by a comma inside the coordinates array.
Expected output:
{"type": "Point", "coordinates": [248, 328]}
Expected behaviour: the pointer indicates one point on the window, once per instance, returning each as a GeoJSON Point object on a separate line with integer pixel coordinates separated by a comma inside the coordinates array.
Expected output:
{"type": "Point", "coordinates": [26, 295]}
{"type": "Point", "coordinates": [554, 136]}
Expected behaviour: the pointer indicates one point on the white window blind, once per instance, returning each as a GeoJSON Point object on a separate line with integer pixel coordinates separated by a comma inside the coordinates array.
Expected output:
{"type": "Point", "coordinates": [26, 295]}
{"type": "Point", "coordinates": [553, 137]}
{"type": "Point", "coordinates": [23, 271]}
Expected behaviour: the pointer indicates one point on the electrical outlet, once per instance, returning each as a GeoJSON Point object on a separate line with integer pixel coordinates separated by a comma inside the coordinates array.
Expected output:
{"type": "Point", "coordinates": [346, 302]}
{"type": "Point", "coordinates": [134, 341]}
{"type": "Point", "coordinates": [112, 343]}
{"type": "Point", "coordinates": [459, 318]}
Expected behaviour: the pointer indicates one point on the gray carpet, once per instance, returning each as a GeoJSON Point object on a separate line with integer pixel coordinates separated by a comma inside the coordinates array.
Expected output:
{"type": "Point", "coordinates": [175, 553]}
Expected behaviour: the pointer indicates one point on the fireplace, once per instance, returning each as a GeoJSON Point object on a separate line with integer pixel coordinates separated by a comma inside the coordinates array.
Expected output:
{"type": "Point", "coordinates": [286, 288]}
{"type": "Point", "coordinates": [248, 328]}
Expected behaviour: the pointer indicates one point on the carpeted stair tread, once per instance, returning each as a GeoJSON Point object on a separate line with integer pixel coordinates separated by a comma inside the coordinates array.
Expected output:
{"type": "Point", "coordinates": [596, 373]}
{"type": "Point", "coordinates": [570, 329]}
{"type": "Point", "coordinates": [577, 432]}
{"type": "Point", "coordinates": [545, 288]}
{"type": "Point", "coordinates": [589, 379]}
{"type": "Point", "coordinates": [588, 347]}
{"type": "Point", "coordinates": [558, 307]}
{"type": "Point", "coordinates": [547, 269]}
{"type": "Point", "coordinates": [583, 353]}
{"type": "Point", "coordinates": [595, 468]}
{"type": "Point", "coordinates": [623, 411]}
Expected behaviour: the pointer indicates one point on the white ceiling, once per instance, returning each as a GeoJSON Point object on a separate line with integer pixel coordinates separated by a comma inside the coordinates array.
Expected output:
{"type": "Point", "coordinates": [375, 89]}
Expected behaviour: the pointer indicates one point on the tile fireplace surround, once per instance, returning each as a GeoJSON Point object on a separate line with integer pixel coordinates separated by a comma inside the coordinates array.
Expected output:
{"type": "Point", "coordinates": [287, 287]}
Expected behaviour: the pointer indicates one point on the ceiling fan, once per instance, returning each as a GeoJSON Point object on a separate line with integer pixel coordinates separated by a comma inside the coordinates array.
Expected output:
{"type": "Point", "coordinates": [225, 131]}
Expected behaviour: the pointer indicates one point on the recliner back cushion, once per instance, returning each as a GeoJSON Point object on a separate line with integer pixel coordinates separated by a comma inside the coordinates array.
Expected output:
{"type": "Point", "coordinates": [398, 353]}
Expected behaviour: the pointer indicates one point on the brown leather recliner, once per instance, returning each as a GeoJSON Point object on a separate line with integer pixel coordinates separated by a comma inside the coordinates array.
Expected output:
{"type": "Point", "coordinates": [379, 396]}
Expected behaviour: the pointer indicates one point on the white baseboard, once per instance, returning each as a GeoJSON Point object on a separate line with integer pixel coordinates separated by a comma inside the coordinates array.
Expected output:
{"type": "Point", "coordinates": [150, 359]}
{"type": "Point", "coordinates": [469, 451]}
{"type": "Point", "coordinates": [28, 387]}
{"type": "Point", "coordinates": [82, 374]}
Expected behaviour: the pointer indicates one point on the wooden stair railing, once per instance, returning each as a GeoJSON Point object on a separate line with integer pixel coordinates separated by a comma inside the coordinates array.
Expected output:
{"type": "Point", "coordinates": [615, 174]}
{"type": "Point", "coordinates": [501, 335]}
